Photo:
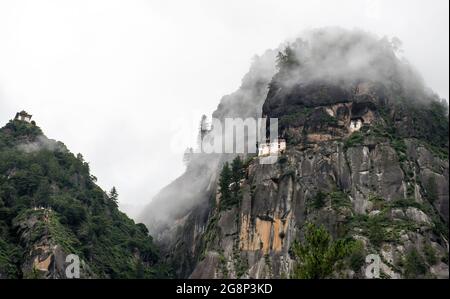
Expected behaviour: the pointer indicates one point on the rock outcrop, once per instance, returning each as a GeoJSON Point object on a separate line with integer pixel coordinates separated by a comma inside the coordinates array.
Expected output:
{"type": "Point", "coordinates": [367, 158]}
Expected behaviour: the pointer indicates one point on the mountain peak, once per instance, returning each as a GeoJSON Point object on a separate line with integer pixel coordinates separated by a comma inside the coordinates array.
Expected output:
{"type": "Point", "coordinates": [51, 208]}
{"type": "Point", "coordinates": [365, 171]}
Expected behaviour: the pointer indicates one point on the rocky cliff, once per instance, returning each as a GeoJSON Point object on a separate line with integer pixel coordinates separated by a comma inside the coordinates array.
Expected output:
{"type": "Point", "coordinates": [359, 182]}
{"type": "Point", "coordinates": [367, 161]}
{"type": "Point", "coordinates": [186, 201]}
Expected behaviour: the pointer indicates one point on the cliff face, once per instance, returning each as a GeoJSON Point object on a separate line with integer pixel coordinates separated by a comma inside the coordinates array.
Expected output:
{"type": "Point", "coordinates": [177, 216]}
{"type": "Point", "coordinates": [46, 244]}
{"type": "Point", "coordinates": [366, 158]}
{"type": "Point", "coordinates": [350, 176]}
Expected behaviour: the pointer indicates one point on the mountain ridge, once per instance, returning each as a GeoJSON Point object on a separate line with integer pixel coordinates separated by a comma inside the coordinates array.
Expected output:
{"type": "Point", "coordinates": [51, 208]}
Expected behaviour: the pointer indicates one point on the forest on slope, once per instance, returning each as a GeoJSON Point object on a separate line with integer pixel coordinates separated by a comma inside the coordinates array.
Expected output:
{"type": "Point", "coordinates": [51, 207]}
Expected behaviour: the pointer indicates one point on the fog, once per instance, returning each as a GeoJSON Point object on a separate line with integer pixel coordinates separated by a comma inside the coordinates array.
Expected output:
{"type": "Point", "coordinates": [193, 190]}
{"type": "Point", "coordinates": [343, 57]}
{"type": "Point", "coordinates": [41, 143]}
{"type": "Point", "coordinates": [116, 80]}
{"type": "Point", "coordinates": [331, 55]}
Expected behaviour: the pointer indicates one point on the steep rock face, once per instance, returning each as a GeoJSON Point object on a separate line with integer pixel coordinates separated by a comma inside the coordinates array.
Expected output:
{"type": "Point", "coordinates": [372, 179]}
{"type": "Point", "coordinates": [370, 182]}
{"type": "Point", "coordinates": [277, 202]}
{"type": "Point", "coordinates": [367, 158]}
{"type": "Point", "coordinates": [177, 216]}
{"type": "Point", "coordinates": [47, 244]}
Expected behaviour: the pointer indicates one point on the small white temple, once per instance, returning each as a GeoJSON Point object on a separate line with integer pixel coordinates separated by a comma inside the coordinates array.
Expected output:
{"type": "Point", "coordinates": [356, 125]}
{"type": "Point", "coordinates": [23, 116]}
{"type": "Point", "coordinates": [271, 148]}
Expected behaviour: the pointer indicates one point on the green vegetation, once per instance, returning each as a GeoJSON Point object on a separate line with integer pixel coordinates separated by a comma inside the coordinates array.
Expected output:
{"type": "Point", "coordinates": [327, 120]}
{"type": "Point", "coordinates": [438, 227]}
{"type": "Point", "coordinates": [223, 264]}
{"type": "Point", "coordinates": [315, 256]}
{"type": "Point", "coordinates": [400, 147]}
{"type": "Point", "coordinates": [293, 118]}
{"type": "Point", "coordinates": [428, 123]}
{"type": "Point", "coordinates": [229, 183]}
{"type": "Point", "coordinates": [379, 228]}
{"type": "Point", "coordinates": [382, 228]}
{"type": "Point", "coordinates": [210, 235]}
{"type": "Point", "coordinates": [318, 256]}
{"type": "Point", "coordinates": [224, 185]}
{"type": "Point", "coordinates": [9, 257]}
{"type": "Point", "coordinates": [337, 199]}
{"type": "Point", "coordinates": [440, 152]}
{"type": "Point", "coordinates": [36, 172]}
{"type": "Point", "coordinates": [431, 123]}
{"type": "Point", "coordinates": [319, 200]}
{"type": "Point", "coordinates": [240, 263]}
{"type": "Point", "coordinates": [432, 193]}
{"type": "Point", "coordinates": [377, 201]}
{"type": "Point", "coordinates": [287, 58]}
{"type": "Point", "coordinates": [340, 199]}
{"type": "Point", "coordinates": [415, 266]}
{"type": "Point", "coordinates": [357, 256]}
{"type": "Point", "coordinates": [430, 254]}
{"type": "Point", "coordinates": [376, 231]}
{"type": "Point", "coordinates": [357, 138]}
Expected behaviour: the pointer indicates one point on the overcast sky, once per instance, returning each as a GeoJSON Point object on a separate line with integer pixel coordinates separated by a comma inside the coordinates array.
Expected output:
{"type": "Point", "coordinates": [111, 78]}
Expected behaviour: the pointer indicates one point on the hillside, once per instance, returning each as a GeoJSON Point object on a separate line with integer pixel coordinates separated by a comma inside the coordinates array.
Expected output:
{"type": "Point", "coordinates": [50, 207]}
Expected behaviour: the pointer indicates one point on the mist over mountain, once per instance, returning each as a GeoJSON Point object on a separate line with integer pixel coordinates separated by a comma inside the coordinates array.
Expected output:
{"type": "Point", "coordinates": [196, 183]}
{"type": "Point", "coordinates": [366, 166]}
{"type": "Point", "coordinates": [361, 169]}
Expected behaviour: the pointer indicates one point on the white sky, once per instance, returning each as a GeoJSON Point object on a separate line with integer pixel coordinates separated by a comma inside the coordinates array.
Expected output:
{"type": "Point", "coordinates": [109, 78]}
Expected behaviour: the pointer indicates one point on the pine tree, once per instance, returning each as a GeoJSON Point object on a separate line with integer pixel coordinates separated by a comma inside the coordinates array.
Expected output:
{"type": "Point", "coordinates": [237, 169]}
{"type": "Point", "coordinates": [187, 157]}
{"type": "Point", "coordinates": [80, 157]}
{"type": "Point", "coordinates": [114, 196]}
{"type": "Point", "coordinates": [287, 58]}
{"type": "Point", "coordinates": [224, 185]}
{"type": "Point", "coordinates": [237, 174]}
{"type": "Point", "coordinates": [318, 255]}
{"type": "Point", "coordinates": [203, 130]}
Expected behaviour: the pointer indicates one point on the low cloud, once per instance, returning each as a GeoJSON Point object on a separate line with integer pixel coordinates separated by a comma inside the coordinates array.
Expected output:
{"type": "Point", "coordinates": [343, 57]}
{"type": "Point", "coordinates": [41, 143]}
